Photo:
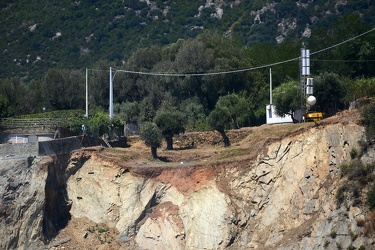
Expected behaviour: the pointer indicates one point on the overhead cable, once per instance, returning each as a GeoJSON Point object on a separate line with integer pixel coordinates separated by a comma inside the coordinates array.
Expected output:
{"type": "Point", "coordinates": [238, 70]}
{"type": "Point", "coordinates": [348, 40]}
{"type": "Point", "coordinates": [206, 74]}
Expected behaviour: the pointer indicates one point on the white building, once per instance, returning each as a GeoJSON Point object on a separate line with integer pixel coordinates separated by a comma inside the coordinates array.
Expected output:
{"type": "Point", "coordinates": [19, 138]}
{"type": "Point", "coordinates": [272, 117]}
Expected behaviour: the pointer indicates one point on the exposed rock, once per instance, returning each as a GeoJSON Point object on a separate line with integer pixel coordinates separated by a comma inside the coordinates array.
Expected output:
{"type": "Point", "coordinates": [281, 198]}
{"type": "Point", "coordinates": [22, 201]}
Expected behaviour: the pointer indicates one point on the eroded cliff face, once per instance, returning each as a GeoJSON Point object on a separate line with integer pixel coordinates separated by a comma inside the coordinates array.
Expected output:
{"type": "Point", "coordinates": [285, 199]}
{"type": "Point", "coordinates": [291, 191]}
{"type": "Point", "coordinates": [22, 185]}
{"type": "Point", "coordinates": [34, 202]}
{"type": "Point", "coordinates": [259, 194]}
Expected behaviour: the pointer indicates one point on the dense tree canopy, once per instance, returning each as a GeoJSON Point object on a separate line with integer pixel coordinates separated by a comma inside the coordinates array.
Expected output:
{"type": "Point", "coordinates": [243, 94]}
{"type": "Point", "coordinates": [330, 92]}
{"type": "Point", "coordinates": [64, 89]}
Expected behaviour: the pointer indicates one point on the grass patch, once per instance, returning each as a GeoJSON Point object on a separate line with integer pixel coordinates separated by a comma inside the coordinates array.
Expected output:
{"type": "Point", "coordinates": [232, 152]}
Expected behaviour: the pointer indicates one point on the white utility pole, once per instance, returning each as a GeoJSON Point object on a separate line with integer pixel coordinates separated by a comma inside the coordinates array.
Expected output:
{"type": "Point", "coordinates": [270, 86]}
{"type": "Point", "coordinates": [110, 94]}
{"type": "Point", "coordinates": [87, 95]}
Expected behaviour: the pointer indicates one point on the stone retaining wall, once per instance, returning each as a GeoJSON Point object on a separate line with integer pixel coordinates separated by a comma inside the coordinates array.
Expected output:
{"type": "Point", "coordinates": [7, 150]}
{"type": "Point", "coordinates": [57, 147]}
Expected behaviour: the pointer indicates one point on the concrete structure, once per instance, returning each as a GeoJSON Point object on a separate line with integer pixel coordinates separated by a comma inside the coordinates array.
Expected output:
{"type": "Point", "coordinates": [18, 149]}
{"type": "Point", "coordinates": [272, 117]}
{"type": "Point", "coordinates": [22, 138]}
{"type": "Point", "coordinates": [51, 147]}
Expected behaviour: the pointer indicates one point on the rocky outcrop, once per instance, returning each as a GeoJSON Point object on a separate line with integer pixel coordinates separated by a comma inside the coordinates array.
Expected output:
{"type": "Point", "coordinates": [283, 200]}
{"type": "Point", "coordinates": [34, 202]}
{"type": "Point", "coordinates": [291, 193]}
{"type": "Point", "coordinates": [22, 184]}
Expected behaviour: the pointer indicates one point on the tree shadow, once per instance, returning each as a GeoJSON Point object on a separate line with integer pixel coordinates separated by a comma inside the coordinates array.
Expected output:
{"type": "Point", "coordinates": [164, 159]}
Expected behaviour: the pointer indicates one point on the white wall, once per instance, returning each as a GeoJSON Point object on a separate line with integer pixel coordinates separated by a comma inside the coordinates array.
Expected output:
{"type": "Point", "coordinates": [28, 138]}
{"type": "Point", "coordinates": [272, 117]}
{"type": "Point", "coordinates": [17, 139]}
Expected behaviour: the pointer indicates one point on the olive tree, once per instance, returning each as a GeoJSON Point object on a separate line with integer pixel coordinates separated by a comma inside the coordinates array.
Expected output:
{"type": "Point", "coordinates": [129, 111]}
{"type": "Point", "coordinates": [330, 91]}
{"type": "Point", "coordinates": [219, 119]}
{"type": "Point", "coordinates": [170, 123]}
{"type": "Point", "coordinates": [151, 135]}
{"type": "Point", "coordinates": [62, 89]}
{"type": "Point", "coordinates": [235, 105]}
{"type": "Point", "coordinates": [287, 98]}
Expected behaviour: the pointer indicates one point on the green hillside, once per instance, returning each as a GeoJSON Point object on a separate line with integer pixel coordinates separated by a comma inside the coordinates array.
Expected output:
{"type": "Point", "coordinates": [38, 35]}
{"type": "Point", "coordinates": [47, 45]}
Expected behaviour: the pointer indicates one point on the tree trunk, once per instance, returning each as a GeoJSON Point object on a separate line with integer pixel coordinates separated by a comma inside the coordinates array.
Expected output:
{"type": "Point", "coordinates": [225, 137]}
{"type": "Point", "coordinates": [154, 152]}
{"type": "Point", "coordinates": [235, 122]}
{"type": "Point", "coordinates": [169, 140]}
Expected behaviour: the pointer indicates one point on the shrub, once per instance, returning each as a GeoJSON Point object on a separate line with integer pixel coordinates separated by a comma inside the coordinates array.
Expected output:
{"type": "Point", "coordinates": [357, 170]}
{"type": "Point", "coordinates": [338, 245]}
{"type": "Point", "coordinates": [340, 196]}
{"type": "Point", "coordinates": [361, 222]}
{"type": "Point", "coordinates": [353, 236]}
{"type": "Point", "coordinates": [333, 234]}
{"type": "Point", "coordinates": [345, 168]}
{"type": "Point", "coordinates": [326, 243]}
{"type": "Point", "coordinates": [370, 224]}
{"type": "Point", "coordinates": [351, 247]}
{"type": "Point", "coordinates": [359, 175]}
{"type": "Point", "coordinates": [371, 196]}
{"type": "Point", "coordinates": [102, 230]}
{"type": "Point", "coordinates": [354, 153]}
{"type": "Point", "coordinates": [368, 120]}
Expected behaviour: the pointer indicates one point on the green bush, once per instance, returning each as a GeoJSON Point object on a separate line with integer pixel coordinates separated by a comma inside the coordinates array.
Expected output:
{"type": "Point", "coordinates": [340, 195]}
{"type": "Point", "coordinates": [354, 153]}
{"type": "Point", "coordinates": [345, 168]}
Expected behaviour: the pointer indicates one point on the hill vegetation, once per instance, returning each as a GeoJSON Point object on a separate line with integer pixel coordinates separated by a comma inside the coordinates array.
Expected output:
{"type": "Point", "coordinates": [47, 46]}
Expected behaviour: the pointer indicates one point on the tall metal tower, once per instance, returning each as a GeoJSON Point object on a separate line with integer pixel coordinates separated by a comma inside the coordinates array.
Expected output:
{"type": "Point", "coordinates": [305, 73]}
{"type": "Point", "coordinates": [307, 88]}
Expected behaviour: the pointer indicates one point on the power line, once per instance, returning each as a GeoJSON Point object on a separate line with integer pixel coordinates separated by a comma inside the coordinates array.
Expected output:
{"type": "Point", "coordinates": [348, 40]}
{"type": "Point", "coordinates": [323, 60]}
{"type": "Point", "coordinates": [240, 70]}
{"type": "Point", "coordinates": [209, 73]}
